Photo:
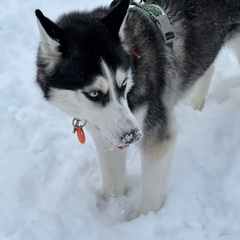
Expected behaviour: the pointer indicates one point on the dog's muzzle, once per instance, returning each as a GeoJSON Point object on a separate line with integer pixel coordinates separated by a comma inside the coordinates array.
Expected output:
{"type": "Point", "coordinates": [131, 137]}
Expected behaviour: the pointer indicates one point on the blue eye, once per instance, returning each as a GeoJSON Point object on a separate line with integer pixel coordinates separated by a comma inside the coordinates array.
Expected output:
{"type": "Point", "coordinates": [124, 83]}
{"type": "Point", "coordinates": [93, 94]}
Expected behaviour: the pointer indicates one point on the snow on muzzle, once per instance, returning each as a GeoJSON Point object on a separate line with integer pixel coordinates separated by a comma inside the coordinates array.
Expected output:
{"type": "Point", "coordinates": [125, 139]}
{"type": "Point", "coordinates": [131, 137]}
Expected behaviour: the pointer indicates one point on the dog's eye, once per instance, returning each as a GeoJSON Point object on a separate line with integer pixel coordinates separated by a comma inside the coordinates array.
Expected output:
{"type": "Point", "coordinates": [124, 84]}
{"type": "Point", "coordinates": [93, 94]}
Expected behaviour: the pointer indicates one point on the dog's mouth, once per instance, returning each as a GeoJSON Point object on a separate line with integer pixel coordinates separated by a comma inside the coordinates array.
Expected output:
{"type": "Point", "coordinates": [122, 147]}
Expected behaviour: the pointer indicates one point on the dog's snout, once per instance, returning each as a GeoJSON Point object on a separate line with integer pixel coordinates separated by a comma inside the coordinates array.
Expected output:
{"type": "Point", "coordinates": [131, 137]}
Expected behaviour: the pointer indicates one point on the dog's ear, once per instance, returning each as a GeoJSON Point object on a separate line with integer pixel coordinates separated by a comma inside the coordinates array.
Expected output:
{"type": "Point", "coordinates": [115, 18]}
{"type": "Point", "coordinates": [53, 38]}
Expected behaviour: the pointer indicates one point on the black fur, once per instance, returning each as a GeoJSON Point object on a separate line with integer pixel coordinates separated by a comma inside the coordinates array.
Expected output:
{"type": "Point", "coordinates": [114, 19]}
{"type": "Point", "coordinates": [208, 24]}
{"type": "Point", "coordinates": [203, 27]}
{"type": "Point", "coordinates": [89, 41]}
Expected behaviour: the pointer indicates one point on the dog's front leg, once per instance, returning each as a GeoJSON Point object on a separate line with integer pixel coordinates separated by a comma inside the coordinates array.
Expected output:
{"type": "Point", "coordinates": [112, 162]}
{"type": "Point", "coordinates": [113, 168]}
{"type": "Point", "coordinates": [156, 160]}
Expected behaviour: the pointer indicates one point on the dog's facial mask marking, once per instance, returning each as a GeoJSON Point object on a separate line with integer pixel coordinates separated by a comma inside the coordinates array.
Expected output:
{"type": "Point", "coordinates": [104, 104]}
{"type": "Point", "coordinates": [120, 127]}
{"type": "Point", "coordinates": [91, 79]}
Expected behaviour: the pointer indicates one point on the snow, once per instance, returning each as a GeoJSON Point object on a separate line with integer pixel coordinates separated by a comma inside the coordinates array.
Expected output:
{"type": "Point", "coordinates": [50, 185]}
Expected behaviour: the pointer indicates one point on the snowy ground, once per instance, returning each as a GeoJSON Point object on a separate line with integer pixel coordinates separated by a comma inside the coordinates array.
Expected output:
{"type": "Point", "coordinates": [50, 184]}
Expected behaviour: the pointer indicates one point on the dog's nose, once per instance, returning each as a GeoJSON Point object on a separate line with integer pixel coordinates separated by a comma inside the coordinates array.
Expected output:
{"type": "Point", "coordinates": [131, 137]}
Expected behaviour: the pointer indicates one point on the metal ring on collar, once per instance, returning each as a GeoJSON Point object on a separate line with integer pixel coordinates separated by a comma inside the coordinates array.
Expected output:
{"type": "Point", "coordinates": [77, 122]}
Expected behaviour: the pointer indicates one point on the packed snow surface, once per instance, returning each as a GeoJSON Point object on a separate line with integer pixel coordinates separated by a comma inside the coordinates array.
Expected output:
{"type": "Point", "coordinates": [50, 185]}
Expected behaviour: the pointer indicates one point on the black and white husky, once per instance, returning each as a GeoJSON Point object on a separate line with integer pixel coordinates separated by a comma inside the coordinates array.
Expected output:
{"type": "Point", "coordinates": [117, 69]}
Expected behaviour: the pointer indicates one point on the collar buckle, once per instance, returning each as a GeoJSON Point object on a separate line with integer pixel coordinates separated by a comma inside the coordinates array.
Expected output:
{"type": "Point", "coordinates": [165, 26]}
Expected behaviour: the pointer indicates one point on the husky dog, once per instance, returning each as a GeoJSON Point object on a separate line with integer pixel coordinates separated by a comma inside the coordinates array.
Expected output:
{"type": "Point", "coordinates": [114, 68]}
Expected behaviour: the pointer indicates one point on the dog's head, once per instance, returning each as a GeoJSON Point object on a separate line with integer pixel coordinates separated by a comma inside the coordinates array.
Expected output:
{"type": "Point", "coordinates": [84, 70]}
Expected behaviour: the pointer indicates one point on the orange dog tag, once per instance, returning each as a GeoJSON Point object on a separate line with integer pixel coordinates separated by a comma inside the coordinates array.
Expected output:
{"type": "Point", "coordinates": [78, 127]}
{"type": "Point", "coordinates": [81, 135]}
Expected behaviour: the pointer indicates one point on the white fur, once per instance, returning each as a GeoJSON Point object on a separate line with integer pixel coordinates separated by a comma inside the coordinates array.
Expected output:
{"type": "Point", "coordinates": [48, 49]}
{"type": "Point", "coordinates": [112, 163]}
{"type": "Point", "coordinates": [200, 91]}
{"type": "Point", "coordinates": [235, 46]}
{"type": "Point", "coordinates": [140, 115]}
{"type": "Point", "coordinates": [156, 160]}
{"type": "Point", "coordinates": [117, 118]}
{"type": "Point", "coordinates": [120, 77]}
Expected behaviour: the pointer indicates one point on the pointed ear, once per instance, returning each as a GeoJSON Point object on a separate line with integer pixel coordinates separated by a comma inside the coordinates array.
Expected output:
{"type": "Point", "coordinates": [115, 18]}
{"type": "Point", "coordinates": [53, 38]}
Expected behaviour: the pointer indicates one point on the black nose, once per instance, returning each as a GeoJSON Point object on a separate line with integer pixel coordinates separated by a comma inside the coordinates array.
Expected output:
{"type": "Point", "coordinates": [131, 137]}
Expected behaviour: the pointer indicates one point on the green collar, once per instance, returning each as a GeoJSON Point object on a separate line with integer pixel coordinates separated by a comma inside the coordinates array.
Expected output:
{"type": "Point", "coordinates": [157, 19]}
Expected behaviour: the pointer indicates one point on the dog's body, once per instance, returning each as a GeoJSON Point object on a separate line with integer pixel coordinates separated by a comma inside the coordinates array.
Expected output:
{"type": "Point", "coordinates": [85, 67]}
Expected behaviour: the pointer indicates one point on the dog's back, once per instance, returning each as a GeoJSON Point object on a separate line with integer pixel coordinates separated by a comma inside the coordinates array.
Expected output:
{"type": "Point", "coordinates": [202, 28]}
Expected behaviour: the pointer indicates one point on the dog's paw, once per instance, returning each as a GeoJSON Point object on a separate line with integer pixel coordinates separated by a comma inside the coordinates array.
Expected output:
{"type": "Point", "coordinates": [132, 215]}
{"type": "Point", "coordinates": [150, 205]}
